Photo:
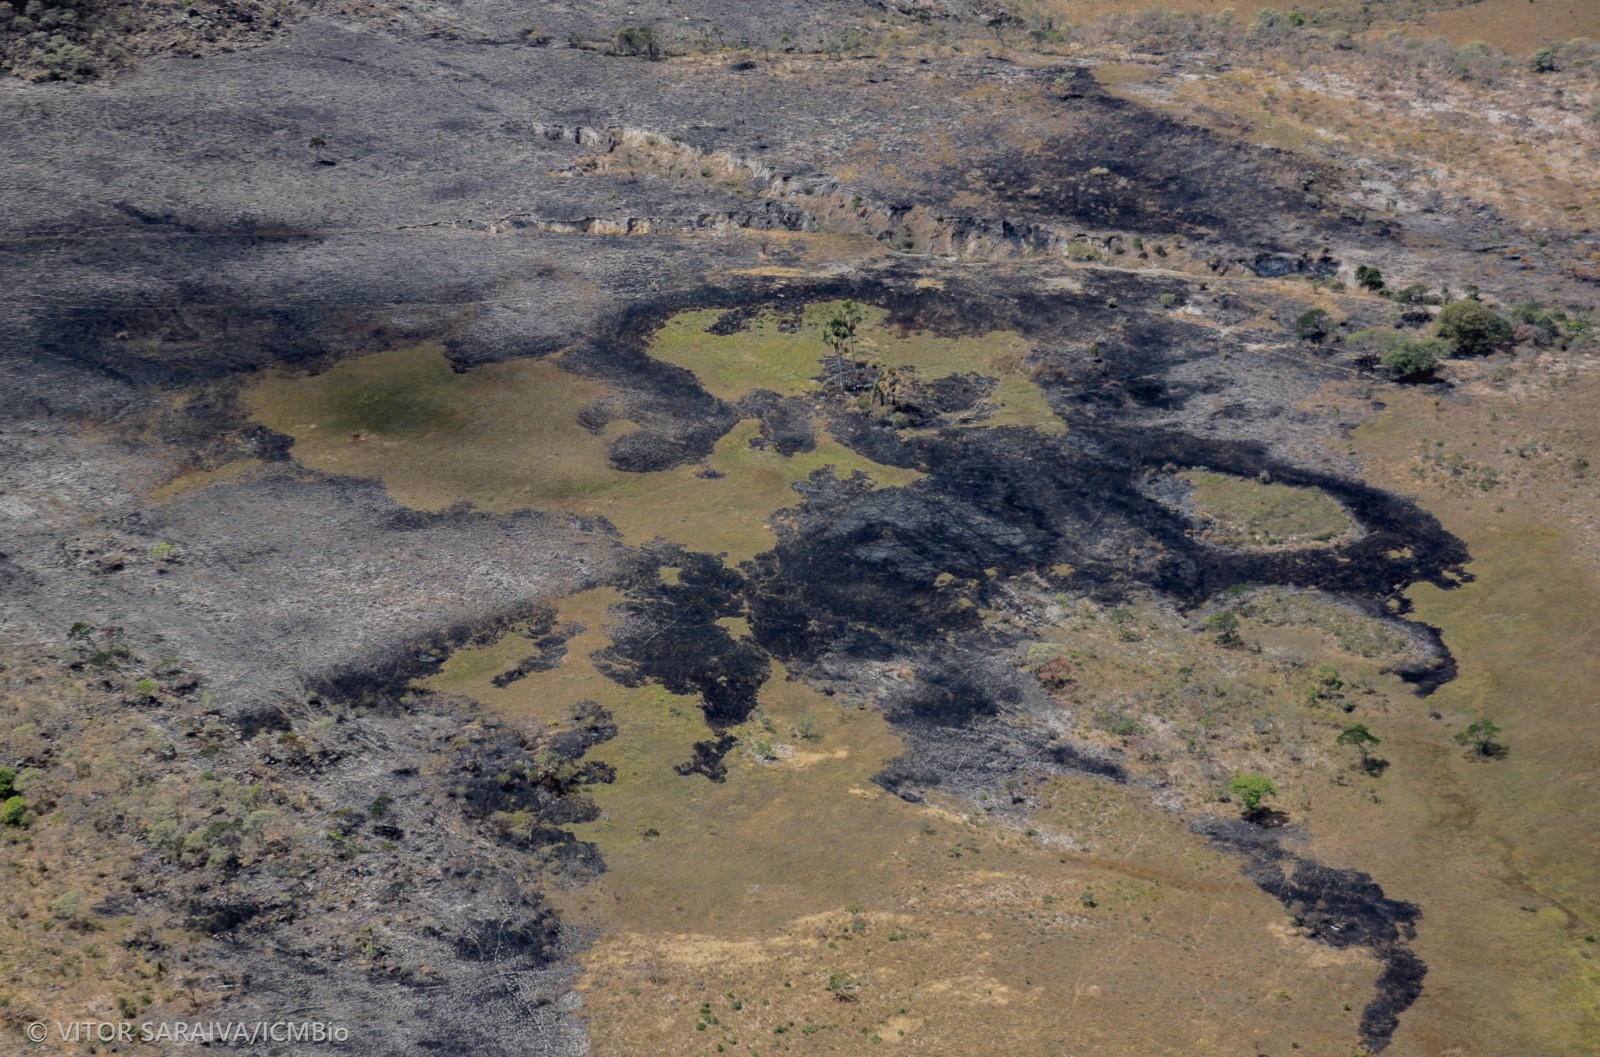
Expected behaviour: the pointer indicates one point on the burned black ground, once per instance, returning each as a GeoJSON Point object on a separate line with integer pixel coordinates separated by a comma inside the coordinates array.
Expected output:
{"type": "Point", "coordinates": [151, 277]}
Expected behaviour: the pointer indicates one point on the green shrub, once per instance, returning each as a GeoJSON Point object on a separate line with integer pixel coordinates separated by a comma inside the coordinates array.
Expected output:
{"type": "Point", "coordinates": [1252, 789]}
{"type": "Point", "coordinates": [1225, 626]}
{"type": "Point", "coordinates": [1473, 328]}
{"type": "Point", "coordinates": [1543, 325]}
{"type": "Point", "coordinates": [14, 812]}
{"type": "Point", "coordinates": [1313, 326]}
{"type": "Point", "coordinates": [8, 779]}
{"type": "Point", "coordinates": [637, 40]}
{"type": "Point", "coordinates": [1409, 359]}
{"type": "Point", "coordinates": [65, 907]}
{"type": "Point", "coordinates": [1415, 294]}
{"type": "Point", "coordinates": [1369, 277]}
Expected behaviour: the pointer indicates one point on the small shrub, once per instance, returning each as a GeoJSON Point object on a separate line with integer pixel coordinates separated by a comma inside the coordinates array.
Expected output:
{"type": "Point", "coordinates": [14, 812]}
{"type": "Point", "coordinates": [1313, 326]}
{"type": "Point", "coordinates": [845, 987]}
{"type": "Point", "coordinates": [1057, 673]}
{"type": "Point", "coordinates": [1544, 60]}
{"type": "Point", "coordinates": [1252, 789]}
{"type": "Point", "coordinates": [637, 40]}
{"type": "Point", "coordinates": [1225, 626]}
{"type": "Point", "coordinates": [65, 907]}
{"type": "Point", "coordinates": [1415, 294]}
{"type": "Point", "coordinates": [1536, 325]}
{"type": "Point", "coordinates": [1369, 278]}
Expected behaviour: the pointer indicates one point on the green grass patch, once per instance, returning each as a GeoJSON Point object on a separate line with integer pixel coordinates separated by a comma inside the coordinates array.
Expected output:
{"type": "Point", "coordinates": [1246, 513]}
{"type": "Point", "coordinates": [507, 436]}
{"type": "Point", "coordinates": [787, 355]}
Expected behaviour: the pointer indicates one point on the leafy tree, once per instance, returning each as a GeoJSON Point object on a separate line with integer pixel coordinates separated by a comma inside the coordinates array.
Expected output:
{"type": "Point", "coordinates": [1002, 22]}
{"type": "Point", "coordinates": [1252, 789]}
{"type": "Point", "coordinates": [1360, 738]}
{"type": "Point", "coordinates": [7, 778]}
{"type": "Point", "coordinates": [1369, 277]}
{"type": "Point", "coordinates": [1225, 626]}
{"type": "Point", "coordinates": [1409, 360]}
{"type": "Point", "coordinates": [1313, 326]}
{"type": "Point", "coordinates": [1473, 328]}
{"type": "Point", "coordinates": [1479, 736]}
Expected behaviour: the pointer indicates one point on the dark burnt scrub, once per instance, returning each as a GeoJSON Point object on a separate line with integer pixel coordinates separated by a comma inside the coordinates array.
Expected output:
{"type": "Point", "coordinates": [1342, 908]}
{"type": "Point", "coordinates": [383, 681]}
{"type": "Point", "coordinates": [861, 576]}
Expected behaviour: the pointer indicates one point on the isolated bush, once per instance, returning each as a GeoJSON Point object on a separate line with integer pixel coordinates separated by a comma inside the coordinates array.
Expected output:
{"type": "Point", "coordinates": [14, 812]}
{"type": "Point", "coordinates": [1313, 326]}
{"type": "Point", "coordinates": [1252, 789]}
{"type": "Point", "coordinates": [1415, 294]}
{"type": "Point", "coordinates": [1410, 360]}
{"type": "Point", "coordinates": [636, 40]}
{"type": "Point", "coordinates": [1533, 324]}
{"type": "Point", "coordinates": [1473, 328]}
{"type": "Point", "coordinates": [1225, 626]}
{"type": "Point", "coordinates": [1369, 277]}
{"type": "Point", "coordinates": [1479, 736]}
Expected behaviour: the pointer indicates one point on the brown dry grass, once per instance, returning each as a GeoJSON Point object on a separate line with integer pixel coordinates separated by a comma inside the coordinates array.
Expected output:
{"type": "Point", "coordinates": [1501, 854]}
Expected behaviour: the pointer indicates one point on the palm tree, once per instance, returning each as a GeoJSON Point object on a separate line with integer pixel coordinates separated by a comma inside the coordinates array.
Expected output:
{"type": "Point", "coordinates": [840, 332]}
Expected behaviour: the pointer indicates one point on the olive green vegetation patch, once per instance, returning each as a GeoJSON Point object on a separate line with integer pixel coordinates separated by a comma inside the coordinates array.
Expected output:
{"type": "Point", "coordinates": [1247, 513]}
{"type": "Point", "coordinates": [787, 354]}
{"type": "Point", "coordinates": [770, 352]}
{"type": "Point", "coordinates": [507, 436]}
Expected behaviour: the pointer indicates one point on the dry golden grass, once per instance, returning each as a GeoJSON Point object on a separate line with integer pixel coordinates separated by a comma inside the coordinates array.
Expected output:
{"type": "Point", "coordinates": [1517, 25]}
{"type": "Point", "coordinates": [1501, 854]}
{"type": "Point", "coordinates": [73, 946]}
{"type": "Point", "coordinates": [735, 905]}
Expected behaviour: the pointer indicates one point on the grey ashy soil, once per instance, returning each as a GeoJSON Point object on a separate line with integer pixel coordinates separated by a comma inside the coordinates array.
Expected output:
{"type": "Point", "coordinates": [170, 233]}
